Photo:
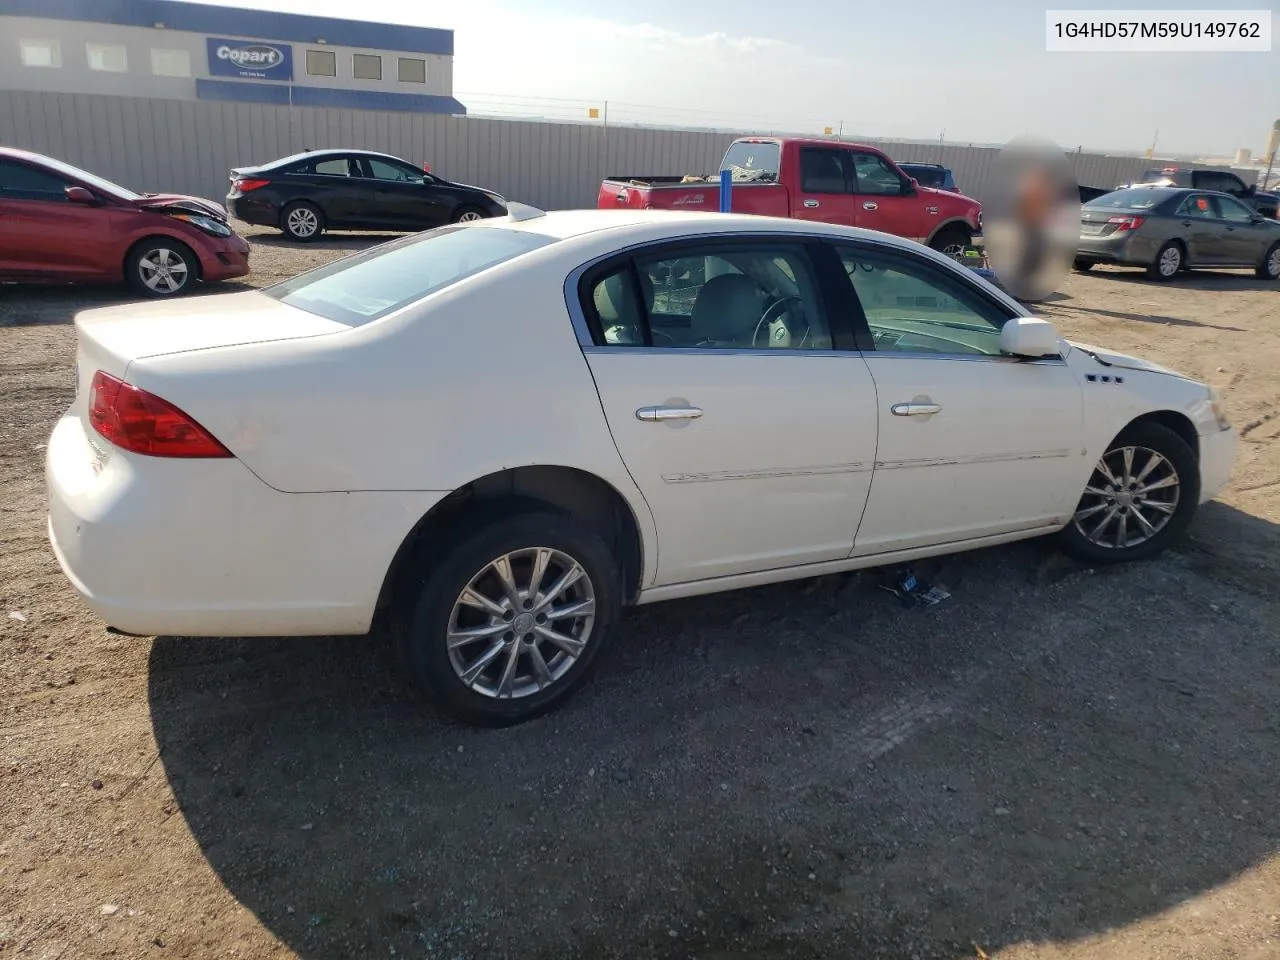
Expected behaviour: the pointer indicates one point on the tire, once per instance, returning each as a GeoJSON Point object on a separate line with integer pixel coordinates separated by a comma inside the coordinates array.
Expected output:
{"type": "Point", "coordinates": [1083, 266]}
{"type": "Point", "coordinates": [1169, 261]}
{"type": "Point", "coordinates": [161, 267]}
{"type": "Point", "coordinates": [1269, 268]}
{"type": "Point", "coordinates": [302, 221]}
{"type": "Point", "coordinates": [1080, 539]}
{"type": "Point", "coordinates": [955, 238]}
{"type": "Point", "coordinates": [468, 214]}
{"type": "Point", "coordinates": [433, 608]}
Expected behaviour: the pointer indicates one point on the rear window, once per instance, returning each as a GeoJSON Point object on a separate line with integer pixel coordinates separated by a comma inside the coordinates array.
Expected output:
{"type": "Point", "coordinates": [753, 162]}
{"type": "Point", "coordinates": [1142, 199]}
{"type": "Point", "coordinates": [926, 176]}
{"type": "Point", "coordinates": [361, 288]}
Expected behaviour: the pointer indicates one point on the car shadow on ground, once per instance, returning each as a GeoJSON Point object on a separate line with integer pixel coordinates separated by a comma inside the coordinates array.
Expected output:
{"type": "Point", "coordinates": [807, 769]}
{"type": "Point", "coordinates": [326, 241]}
{"type": "Point", "coordinates": [34, 304]}
{"type": "Point", "coordinates": [1147, 318]}
{"type": "Point", "coordinates": [1189, 280]}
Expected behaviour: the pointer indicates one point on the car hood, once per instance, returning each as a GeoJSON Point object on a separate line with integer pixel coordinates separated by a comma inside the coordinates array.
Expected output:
{"type": "Point", "coordinates": [955, 197]}
{"type": "Point", "coordinates": [1109, 358]}
{"type": "Point", "coordinates": [165, 202]}
{"type": "Point", "coordinates": [471, 186]}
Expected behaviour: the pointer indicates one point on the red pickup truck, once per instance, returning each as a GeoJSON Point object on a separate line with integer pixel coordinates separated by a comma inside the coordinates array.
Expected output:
{"type": "Point", "coordinates": [813, 180]}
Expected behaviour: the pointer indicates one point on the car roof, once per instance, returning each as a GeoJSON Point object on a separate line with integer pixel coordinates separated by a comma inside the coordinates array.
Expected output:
{"type": "Point", "coordinates": [921, 163]}
{"type": "Point", "coordinates": [330, 152]}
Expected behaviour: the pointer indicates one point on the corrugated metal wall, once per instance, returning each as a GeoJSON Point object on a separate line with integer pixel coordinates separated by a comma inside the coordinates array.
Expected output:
{"type": "Point", "coordinates": [189, 146]}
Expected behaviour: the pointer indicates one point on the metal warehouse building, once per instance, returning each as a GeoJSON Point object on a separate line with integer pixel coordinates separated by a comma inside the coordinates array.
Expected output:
{"type": "Point", "coordinates": [187, 51]}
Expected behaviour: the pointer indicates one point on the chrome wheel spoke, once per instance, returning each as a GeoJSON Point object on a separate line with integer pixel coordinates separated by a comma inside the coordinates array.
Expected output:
{"type": "Point", "coordinates": [508, 677]}
{"type": "Point", "coordinates": [460, 638]}
{"type": "Point", "coordinates": [1087, 512]}
{"type": "Point", "coordinates": [1122, 531]}
{"type": "Point", "coordinates": [502, 567]}
{"type": "Point", "coordinates": [580, 609]}
{"type": "Point", "coordinates": [1148, 528]}
{"type": "Point", "coordinates": [472, 598]}
{"type": "Point", "coordinates": [1166, 508]}
{"type": "Point", "coordinates": [1105, 470]}
{"type": "Point", "coordinates": [1153, 461]}
{"type": "Point", "coordinates": [541, 673]}
{"type": "Point", "coordinates": [1126, 457]}
{"type": "Point", "coordinates": [573, 647]}
{"type": "Point", "coordinates": [491, 653]}
{"type": "Point", "coordinates": [541, 559]}
{"type": "Point", "coordinates": [1163, 483]}
{"type": "Point", "coordinates": [1112, 512]}
{"type": "Point", "coordinates": [567, 580]}
{"type": "Point", "coordinates": [1096, 492]}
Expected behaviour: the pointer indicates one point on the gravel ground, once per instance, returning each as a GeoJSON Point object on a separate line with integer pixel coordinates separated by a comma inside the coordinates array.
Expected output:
{"type": "Point", "coordinates": [1057, 762]}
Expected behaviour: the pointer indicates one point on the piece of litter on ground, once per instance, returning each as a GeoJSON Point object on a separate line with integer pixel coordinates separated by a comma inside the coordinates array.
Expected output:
{"type": "Point", "coordinates": [17, 615]}
{"type": "Point", "coordinates": [108, 909]}
{"type": "Point", "coordinates": [914, 592]}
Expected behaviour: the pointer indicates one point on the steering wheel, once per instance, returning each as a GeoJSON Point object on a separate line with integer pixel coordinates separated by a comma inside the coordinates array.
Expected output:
{"type": "Point", "coordinates": [775, 310]}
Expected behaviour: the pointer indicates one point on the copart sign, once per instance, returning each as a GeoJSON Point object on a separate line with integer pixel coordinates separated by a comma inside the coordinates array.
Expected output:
{"type": "Point", "coordinates": [250, 59]}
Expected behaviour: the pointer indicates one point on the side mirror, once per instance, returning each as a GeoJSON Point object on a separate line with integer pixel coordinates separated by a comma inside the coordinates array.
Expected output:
{"type": "Point", "coordinates": [909, 188]}
{"type": "Point", "coordinates": [80, 195]}
{"type": "Point", "coordinates": [1250, 190]}
{"type": "Point", "coordinates": [1029, 337]}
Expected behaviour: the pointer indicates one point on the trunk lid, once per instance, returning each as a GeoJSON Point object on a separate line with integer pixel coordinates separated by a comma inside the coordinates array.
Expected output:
{"type": "Point", "coordinates": [110, 338]}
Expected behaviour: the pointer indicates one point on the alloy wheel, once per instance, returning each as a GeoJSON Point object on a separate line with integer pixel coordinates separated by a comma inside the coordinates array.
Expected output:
{"type": "Point", "coordinates": [469, 217]}
{"type": "Point", "coordinates": [1170, 262]}
{"type": "Point", "coordinates": [302, 222]}
{"type": "Point", "coordinates": [1273, 263]}
{"type": "Point", "coordinates": [1131, 496]}
{"type": "Point", "coordinates": [163, 270]}
{"type": "Point", "coordinates": [521, 623]}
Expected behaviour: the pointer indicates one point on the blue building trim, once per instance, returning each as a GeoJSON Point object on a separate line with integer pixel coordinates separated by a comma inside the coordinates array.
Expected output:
{"type": "Point", "coordinates": [238, 22]}
{"type": "Point", "coordinates": [280, 94]}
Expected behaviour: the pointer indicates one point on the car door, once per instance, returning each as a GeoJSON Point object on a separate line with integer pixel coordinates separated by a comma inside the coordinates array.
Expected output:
{"type": "Point", "coordinates": [45, 236]}
{"type": "Point", "coordinates": [972, 443]}
{"type": "Point", "coordinates": [1202, 229]}
{"type": "Point", "coordinates": [886, 202]}
{"type": "Point", "coordinates": [344, 195]}
{"type": "Point", "coordinates": [750, 437]}
{"type": "Point", "coordinates": [1245, 239]}
{"type": "Point", "coordinates": [826, 187]}
{"type": "Point", "coordinates": [403, 196]}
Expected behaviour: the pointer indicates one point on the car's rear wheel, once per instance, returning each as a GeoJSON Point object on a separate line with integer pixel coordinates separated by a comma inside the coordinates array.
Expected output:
{"type": "Point", "coordinates": [162, 267]}
{"type": "Point", "coordinates": [1141, 496]}
{"type": "Point", "coordinates": [468, 215]}
{"type": "Point", "coordinates": [1269, 268]}
{"type": "Point", "coordinates": [952, 241]}
{"type": "Point", "coordinates": [513, 618]}
{"type": "Point", "coordinates": [1083, 265]}
{"type": "Point", "coordinates": [302, 221]}
{"type": "Point", "coordinates": [1169, 261]}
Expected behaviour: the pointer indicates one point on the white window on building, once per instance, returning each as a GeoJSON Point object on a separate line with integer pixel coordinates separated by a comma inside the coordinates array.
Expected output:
{"type": "Point", "coordinates": [413, 71]}
{"type": "Point", "coordinates": [366, 66]}
{"type": "Point", "coordinates": [322, 63]}
{"type": "Point", "coordinates": [111, 57]}
{"type": "Point", "coordinates": [170, 63]}
{"type": "Point", "coordinates": [40, 53]}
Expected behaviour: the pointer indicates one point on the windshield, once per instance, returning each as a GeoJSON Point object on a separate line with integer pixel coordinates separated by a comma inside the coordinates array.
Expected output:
{"type": "Point", "coordinates": [91, 179]}
{"type": "Point", "coordinates": [1132, 199]}
{"type": "Point", "coordinates": [361, 288]}
{"type": "Point", "coordinates": [753, 161]}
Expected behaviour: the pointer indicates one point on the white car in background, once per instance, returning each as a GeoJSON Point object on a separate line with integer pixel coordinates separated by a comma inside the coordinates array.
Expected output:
{"type": "Point", "coordinates": [500, 433]}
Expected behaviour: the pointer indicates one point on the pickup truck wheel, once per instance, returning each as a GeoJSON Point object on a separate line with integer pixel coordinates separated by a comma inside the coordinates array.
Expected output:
{"type": "Point", "coordinates": [951, 241]}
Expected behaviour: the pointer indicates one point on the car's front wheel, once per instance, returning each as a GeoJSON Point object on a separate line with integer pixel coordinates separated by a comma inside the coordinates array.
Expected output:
{"type": "Point", "coordinates": [1269, 268]}
{"type": "Point", "coordinates": [162, 267]}
{"type": "Point", "coordinates": [952, 241]}
{"type": "Point", "coordinates": [513, 618]}
{"type": "Point", "coordinates": [1141, 496]}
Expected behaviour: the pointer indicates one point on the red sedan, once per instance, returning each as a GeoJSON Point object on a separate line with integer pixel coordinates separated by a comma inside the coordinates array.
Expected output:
{"type": "Point", "coordinates": [59, 224]}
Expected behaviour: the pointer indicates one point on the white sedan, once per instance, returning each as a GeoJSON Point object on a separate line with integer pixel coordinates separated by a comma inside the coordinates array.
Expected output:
{"type": "Point", "coordinates": [497, 434]}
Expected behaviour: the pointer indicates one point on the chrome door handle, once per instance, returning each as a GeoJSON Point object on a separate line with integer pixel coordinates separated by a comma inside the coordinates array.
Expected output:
{"type": "Point", "coordinates": [868, 205]}
{"type": "Point", "coordinates": [915, 409]}
{"type": "Point", "coordinates": [811, 203]}
{"type": "Point", "coordinates": [658, 414]}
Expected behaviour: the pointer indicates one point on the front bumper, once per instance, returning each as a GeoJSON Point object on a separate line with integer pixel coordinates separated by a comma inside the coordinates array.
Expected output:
{"type": "Point", "coordinates": [204, 548]}
{"type": "Point", "coordinates": [224, 258]}
{"type": "Point", "coordinates": [1217, 460]}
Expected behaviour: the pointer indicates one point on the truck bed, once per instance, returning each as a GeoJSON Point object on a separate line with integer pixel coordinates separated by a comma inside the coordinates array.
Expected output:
{"type": "Point", "coordinates": [651, 181]}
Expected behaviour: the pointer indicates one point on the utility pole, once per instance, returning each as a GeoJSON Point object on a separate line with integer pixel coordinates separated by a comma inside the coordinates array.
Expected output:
{"type": "Point", "coordinates": [1266, 177]}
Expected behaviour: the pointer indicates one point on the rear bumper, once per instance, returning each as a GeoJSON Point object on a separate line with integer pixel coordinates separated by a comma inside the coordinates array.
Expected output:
{"type": "Point", "coordinates": [1126, 248]}
{"type": "Point", "coordinates": [1217, 459]}
{"type": "Point", "coordinates": [204, 548]}
{"type": "Point", "coordinates": [255, 210]}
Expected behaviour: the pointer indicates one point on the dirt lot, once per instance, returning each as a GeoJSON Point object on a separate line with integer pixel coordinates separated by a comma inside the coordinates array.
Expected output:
{"type": "Point", "coordinates": [1056, 763]}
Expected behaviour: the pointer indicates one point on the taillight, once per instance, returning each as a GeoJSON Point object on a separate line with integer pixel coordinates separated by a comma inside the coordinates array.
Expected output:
{"type": "Point", "coordinates": [1126, 223]}
{"type": "Point", "coordinates": [245, 185]}
{"type": "Point", "coordinates": [141, 422]}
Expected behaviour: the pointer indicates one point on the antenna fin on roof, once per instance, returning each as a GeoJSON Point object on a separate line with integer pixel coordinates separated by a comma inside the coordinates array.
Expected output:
{"type": "Point", "coordinates": [522, 211]}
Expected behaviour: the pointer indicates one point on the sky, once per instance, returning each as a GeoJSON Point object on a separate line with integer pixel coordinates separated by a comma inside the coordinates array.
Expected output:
{"type": "Point", "coordinates": [974, 71]}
